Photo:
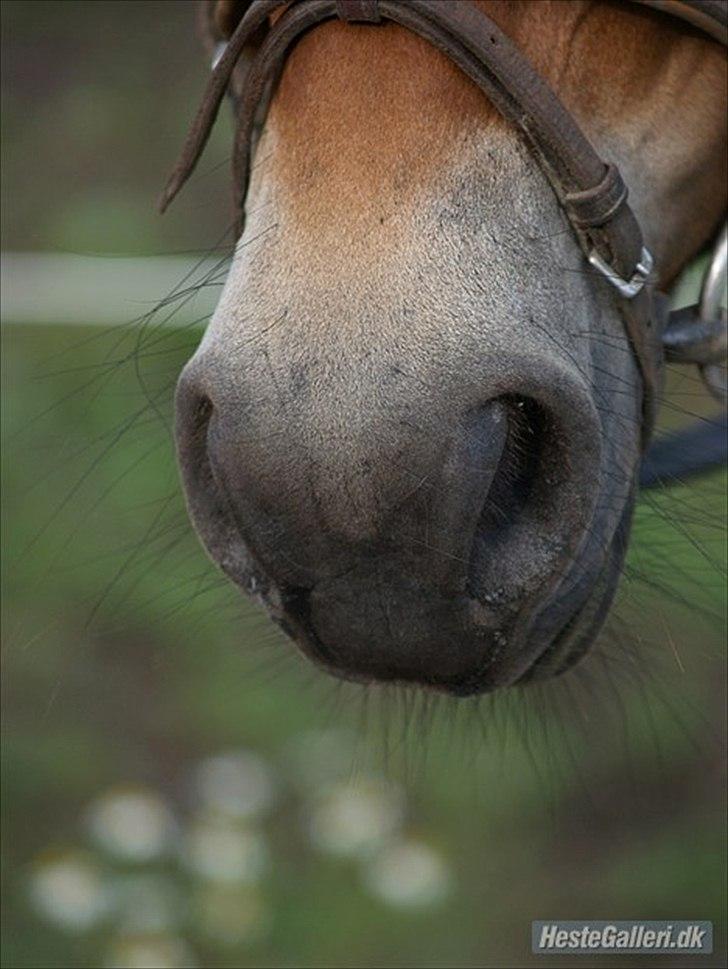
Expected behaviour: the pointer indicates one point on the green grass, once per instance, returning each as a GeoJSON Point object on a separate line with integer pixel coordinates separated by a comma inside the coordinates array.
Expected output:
{"type": "Point", "coordinates": [127, 659]}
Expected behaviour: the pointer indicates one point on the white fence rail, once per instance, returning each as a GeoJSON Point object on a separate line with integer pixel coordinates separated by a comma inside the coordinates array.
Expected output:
{"type": "Point", "coordinates": [43, 288]}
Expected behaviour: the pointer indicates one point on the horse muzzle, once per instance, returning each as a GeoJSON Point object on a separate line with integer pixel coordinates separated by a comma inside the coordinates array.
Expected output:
{"type": "Point", "coordinates": [411, 541]}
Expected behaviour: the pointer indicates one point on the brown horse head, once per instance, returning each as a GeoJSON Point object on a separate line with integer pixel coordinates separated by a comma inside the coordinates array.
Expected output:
{"type": "Point", "coordinates": [412, 428]}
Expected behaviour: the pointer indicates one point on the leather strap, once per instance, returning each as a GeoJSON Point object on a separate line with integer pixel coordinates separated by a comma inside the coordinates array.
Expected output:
{"type": "Point", "coordinates": [471, 39]}
{"type": "Point", "coordinates": [359, 11]}
{"type": "Point", "coordinates": [480, 48]}
{"type": "Point", "coordinates": [592, 193]}
{"type": "Point", "coordinates": [598, 205]}
{"type": "Point", "coordinates": [709, 16]}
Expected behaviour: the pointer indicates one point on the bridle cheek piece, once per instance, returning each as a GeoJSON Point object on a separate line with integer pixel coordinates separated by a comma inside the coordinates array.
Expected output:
{"type": "Point", "coordinates": [591, 193]}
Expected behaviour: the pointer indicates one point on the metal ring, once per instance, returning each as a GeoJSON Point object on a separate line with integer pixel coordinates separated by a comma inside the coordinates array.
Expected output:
{"type": "Point", "coordinates": [712, 307]}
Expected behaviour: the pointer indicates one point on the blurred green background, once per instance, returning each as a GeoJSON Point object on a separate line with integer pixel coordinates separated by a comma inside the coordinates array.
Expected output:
{"type": "Point", "coordinates": [178, 788]}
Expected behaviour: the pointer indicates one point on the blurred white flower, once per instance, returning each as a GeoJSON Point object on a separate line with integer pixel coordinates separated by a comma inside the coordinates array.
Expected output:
{"type": "Point", "coordinates": [409, 874]}
{"type": "Point", "coordinates": [239, 784]}
{"type": "Point", "coordinates": [356, 818]}
{"type": "Point", "coordinates": [219, 849]}
{"type": "Point", "coordinates": [68, 889]}
{"type": "Point", "coordinates": [132, 823]}
{"type": "Point", "coordinates": [147, 904]}
{"type": "Point", "coordinates": [231, 914]}
{"type": "Point", "coordinates": [320, 757]}
{"type": "Point", "coordinates": [149, 952]}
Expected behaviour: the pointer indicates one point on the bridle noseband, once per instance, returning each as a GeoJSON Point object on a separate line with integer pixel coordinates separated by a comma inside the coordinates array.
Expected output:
{"type": "Point", "coordinates": [591, 192]}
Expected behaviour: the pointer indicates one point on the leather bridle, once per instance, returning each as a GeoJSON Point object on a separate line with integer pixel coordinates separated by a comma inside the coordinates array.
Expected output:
{"type": "Point", "coordinates": [590, 191]}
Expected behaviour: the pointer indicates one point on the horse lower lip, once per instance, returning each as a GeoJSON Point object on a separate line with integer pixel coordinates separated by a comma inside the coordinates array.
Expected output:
{"type": "Point", "coordinates": [484, 673]}
{"type": "Point", "coordinates": [463, 661]}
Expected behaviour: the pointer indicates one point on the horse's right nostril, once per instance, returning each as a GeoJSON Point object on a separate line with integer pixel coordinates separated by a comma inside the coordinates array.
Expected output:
{"type": "Point", "coordinates": [208, 504]}
{"type": "Point", "coordinates": [202, 414]}
{"type": "Point", "coordinates": [193, 413]}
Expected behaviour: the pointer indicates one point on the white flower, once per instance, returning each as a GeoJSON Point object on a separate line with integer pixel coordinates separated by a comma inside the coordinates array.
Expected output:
{"type": "Point", "coordinates": [409, 874]}
{"type": "Point", "coordinates": [356, 818]}
{"type": "Point", "coordinates": [239, 784]}
{"type": "Point", "coordinates": [221, 850]}
{"type": "Point", "coordinates": [132, 823]}
{"type": "Point", "coordinates": [68, 889]}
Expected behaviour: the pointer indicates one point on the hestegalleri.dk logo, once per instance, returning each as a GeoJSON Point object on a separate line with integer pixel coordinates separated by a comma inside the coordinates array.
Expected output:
{"type": "Point", "coordinates": [621, 937]}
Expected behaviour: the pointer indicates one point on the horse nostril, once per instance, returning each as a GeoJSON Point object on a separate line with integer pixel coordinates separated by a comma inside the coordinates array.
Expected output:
{"type": "Point", "coordinates": [202, 413]}
{"type": "Point", "coordinates": [193, 409]}
{"type": "Point", "coordinates": [193, 412]}
{"type": "Point", "coordinates": [207, 502]}
{"type": "Point", "coordinates": [198, 422]}
{"type": "Point", "coordinates": [518, 469]}
{"type": "Point", "coordinates": [538, 507]}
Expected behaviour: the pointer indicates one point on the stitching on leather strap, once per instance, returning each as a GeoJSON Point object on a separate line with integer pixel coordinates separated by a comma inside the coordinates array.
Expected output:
{"type": "Point", "coordinates": [596, 206]}
{"type": "Point", "coordinates": [363, 11]}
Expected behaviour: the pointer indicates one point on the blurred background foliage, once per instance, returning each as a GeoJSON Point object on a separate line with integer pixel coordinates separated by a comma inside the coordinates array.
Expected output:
{"type": "Point", "coordinates": [178, 788]}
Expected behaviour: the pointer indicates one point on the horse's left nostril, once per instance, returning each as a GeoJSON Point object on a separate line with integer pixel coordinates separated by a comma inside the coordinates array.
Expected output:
{"type": "Point", "coordinates": [448, 612]}
{"type": "Point", "coordinates": [537, 511]}
{"type": "Point", "coordinates": [518, 470]}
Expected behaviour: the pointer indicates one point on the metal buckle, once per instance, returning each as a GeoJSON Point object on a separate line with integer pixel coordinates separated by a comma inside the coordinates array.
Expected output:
{"type": "Point", "coordinates": [625, 287]}
{"type": "Point", "coordinates": [217, 53]}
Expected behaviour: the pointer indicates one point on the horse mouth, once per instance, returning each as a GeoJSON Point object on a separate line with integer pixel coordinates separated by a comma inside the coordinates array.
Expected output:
{"type": "Point", "coordinates": [501, 662]}
{"type": "Point", "coordinates": [469, 652]}
{"type": "Point", "coordinates": [504, 608]}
